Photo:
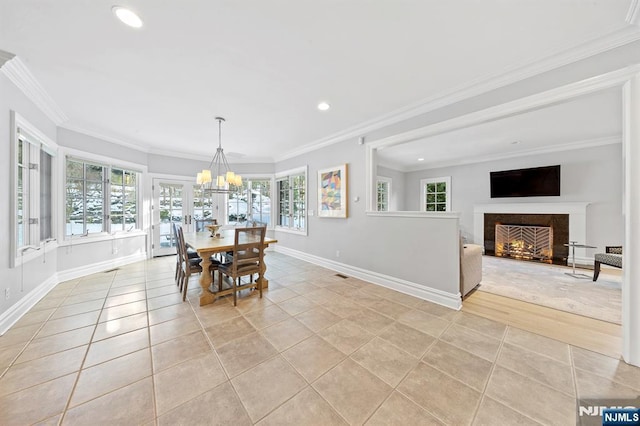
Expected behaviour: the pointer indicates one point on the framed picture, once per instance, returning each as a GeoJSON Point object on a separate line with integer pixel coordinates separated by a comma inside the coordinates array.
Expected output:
{"type": "Point", "coordinates": [332, 192]}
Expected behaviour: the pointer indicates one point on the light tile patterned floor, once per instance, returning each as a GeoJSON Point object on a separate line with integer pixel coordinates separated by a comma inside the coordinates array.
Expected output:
{"type": "Point", "coordinates": [121, 347]}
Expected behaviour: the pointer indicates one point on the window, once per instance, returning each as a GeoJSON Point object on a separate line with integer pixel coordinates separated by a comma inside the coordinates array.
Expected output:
{"type": "Point", "coordinates": [33, 198]}
{"type": "Point", "coordinates": [252, 202]}
{"type": "Point", "coordinates": [435, 194]}
{"type": "Point", "coordinates": [291, 189]}
{"type": "Point", "coordinates": [100, 198]}
{"type": "Point", "coordinates": [383, 191]}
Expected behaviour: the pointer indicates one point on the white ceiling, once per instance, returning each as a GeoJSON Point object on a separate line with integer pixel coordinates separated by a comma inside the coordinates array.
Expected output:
{"type": "Point", "coordinates": [589, 120]}
{"type": "Point", "coordinates": [265, 65]}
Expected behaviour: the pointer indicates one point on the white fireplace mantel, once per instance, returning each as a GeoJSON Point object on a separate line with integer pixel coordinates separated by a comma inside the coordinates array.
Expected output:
{"type": "Point", "coordinates": [577, 212]}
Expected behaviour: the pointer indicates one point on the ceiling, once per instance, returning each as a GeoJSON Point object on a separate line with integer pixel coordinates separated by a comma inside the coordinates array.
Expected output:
{"type": "Point", "coordinates": [589, 120]}
{"type": "Point", "coordinates": [265, 65]}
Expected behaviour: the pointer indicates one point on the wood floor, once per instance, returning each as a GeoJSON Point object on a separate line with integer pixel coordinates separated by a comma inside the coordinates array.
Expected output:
{"type": "Point", "coordinates": [588, 333]}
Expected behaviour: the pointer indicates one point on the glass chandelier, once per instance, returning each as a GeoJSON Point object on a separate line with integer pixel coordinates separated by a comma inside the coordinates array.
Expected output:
{"type": "Point", "coordinates": [219, 166]}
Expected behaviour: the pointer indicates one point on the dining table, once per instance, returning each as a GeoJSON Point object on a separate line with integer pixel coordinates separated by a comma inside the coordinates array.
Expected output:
{"type": "Point", "coordinates": [207, 245]}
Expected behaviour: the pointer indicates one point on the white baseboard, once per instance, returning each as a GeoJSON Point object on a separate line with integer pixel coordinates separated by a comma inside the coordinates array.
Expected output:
{"type": "Point", "coordinates": [17, 310]}
{"type": "Point", "coordinates": [450, 300]}
{"type": "Point", "coordinates": [81, 271]}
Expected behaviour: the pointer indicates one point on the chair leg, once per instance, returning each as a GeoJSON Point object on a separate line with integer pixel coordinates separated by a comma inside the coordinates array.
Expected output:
{"type": "Point", "coordinates": [259, 284]}
{"type": "Point", "coordinates": [184, 290]}
{"type": "Point", "coordinates": [235, 289]}
{"type": "Point", "coordinates": [596, 270]}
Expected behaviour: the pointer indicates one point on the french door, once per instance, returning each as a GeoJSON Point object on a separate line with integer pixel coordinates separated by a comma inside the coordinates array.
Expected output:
{"type": "Point", "coordinates": [185, 204]}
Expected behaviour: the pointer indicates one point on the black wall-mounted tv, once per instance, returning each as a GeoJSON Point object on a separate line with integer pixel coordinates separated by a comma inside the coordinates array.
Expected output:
{"type": "Point", "coordinates": [533, 182]}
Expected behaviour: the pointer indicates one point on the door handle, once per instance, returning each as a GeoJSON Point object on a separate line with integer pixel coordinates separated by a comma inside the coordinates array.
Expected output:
{"type": "Point", "coordinates": [185, 219]}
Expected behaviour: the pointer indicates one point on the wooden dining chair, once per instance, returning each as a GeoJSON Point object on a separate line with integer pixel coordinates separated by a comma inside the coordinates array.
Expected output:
{"type": "Point", "coordinates": [189, 265]}
{"type": "Point", "coordinates": [248, 259]}
{"type": "Point", "coordinates": [191, 254]}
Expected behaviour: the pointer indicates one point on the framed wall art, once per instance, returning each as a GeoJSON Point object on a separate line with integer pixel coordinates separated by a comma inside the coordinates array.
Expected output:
{"type": "Point", "coordinates": [332, 192]}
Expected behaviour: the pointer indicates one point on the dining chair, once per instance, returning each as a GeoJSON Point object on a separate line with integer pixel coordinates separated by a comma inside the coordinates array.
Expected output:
{"type": "Point", "coordinates": [191, 254]}
{"type": "Point", "coordinates": [190, 265]}
{"type": "Point", "coordinates": [248, 259]}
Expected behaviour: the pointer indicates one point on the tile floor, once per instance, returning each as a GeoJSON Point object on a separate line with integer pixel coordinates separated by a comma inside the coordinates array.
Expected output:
{"type": "Point", "coordinates": [121, 347]}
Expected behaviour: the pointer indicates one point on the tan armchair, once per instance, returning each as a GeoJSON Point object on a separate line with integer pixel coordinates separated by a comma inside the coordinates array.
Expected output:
{"type": "Point", "coordinates": [470, 267]}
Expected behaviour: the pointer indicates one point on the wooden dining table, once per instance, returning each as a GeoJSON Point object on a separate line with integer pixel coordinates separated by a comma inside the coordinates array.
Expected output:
{"type": "Point", "coordinates": [206, 246]}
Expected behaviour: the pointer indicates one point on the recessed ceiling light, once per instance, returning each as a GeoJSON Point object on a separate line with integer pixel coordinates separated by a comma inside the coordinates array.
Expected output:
{"type": "Point", "coordinates": [323, 106]}
{"type": "Point", "coordinates": [420, 159]}
{"type": "Point", "coordinates": [127, 16]}
{"type": "Point", "coordinates": [515, 142]}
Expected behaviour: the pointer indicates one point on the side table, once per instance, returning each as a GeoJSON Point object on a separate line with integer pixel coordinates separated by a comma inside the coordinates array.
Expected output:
{"type": "Point", "coordinates": [573, 245]}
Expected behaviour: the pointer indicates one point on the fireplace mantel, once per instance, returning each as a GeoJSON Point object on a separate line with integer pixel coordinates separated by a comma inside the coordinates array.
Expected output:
{"type": "Point", "coordinates": [577, 212]}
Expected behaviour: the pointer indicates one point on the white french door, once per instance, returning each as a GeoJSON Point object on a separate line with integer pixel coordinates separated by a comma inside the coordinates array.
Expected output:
{"type": "Point", "coordinates": [185, 204]}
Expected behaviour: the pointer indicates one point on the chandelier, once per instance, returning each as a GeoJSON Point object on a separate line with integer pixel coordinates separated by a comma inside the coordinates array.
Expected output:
{"type": "Point", "coordinates": [225, 178]}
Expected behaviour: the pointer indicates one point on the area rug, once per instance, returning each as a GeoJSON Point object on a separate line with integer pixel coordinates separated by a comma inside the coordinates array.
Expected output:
{"type": "Point", "coordinates": [548, 285]}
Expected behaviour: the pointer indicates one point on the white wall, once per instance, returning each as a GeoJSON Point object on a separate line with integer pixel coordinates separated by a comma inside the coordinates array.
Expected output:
{"type": "Point", "coordinates": [592, 175]}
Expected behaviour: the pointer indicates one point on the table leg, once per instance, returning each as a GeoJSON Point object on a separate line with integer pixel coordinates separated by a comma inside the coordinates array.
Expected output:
{"type": "Point", "coordinates": [206, 297]}
{"type": "Point", "coordinates": [265, 282]}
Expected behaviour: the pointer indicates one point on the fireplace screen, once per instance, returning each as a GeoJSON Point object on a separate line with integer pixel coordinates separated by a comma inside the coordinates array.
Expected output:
{"type": "Point", "coordinates": [525, 242]}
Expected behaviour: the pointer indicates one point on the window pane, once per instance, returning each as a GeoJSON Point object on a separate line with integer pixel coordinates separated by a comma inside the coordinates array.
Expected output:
{"type": "Point", "coordinates": [441, 187]}
{"type": "Point", "coordinates": [441, 198]}
{"type": "Point", "coordinates": [431, 207]}
{"type": "Point", "coordinates": [431, 198]}
{"type": "Point", "coordinates": [46, 213]}
{"type": "Point", "coordinates": [238, 205]}
{"type": "Point", "coordinates": [93, 172]}
{"type": "Point", "coordinates": [75, 169]}
{"type": "Point", "coordinates": [441, 207]}
{"type": "Point", "coordinates": [431, 187]}
{"type": "Point", "coordinates": [75, 207]}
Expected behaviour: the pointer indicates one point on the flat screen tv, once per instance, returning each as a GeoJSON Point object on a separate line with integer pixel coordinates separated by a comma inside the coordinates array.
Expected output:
{"type": "Point", "coordinates": [533, 182]}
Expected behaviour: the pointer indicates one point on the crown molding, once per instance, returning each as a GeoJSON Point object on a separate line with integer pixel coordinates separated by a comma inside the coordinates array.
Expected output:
{"type": "Point", "coordinates": [5, 57]}
{"type": "Point", "coordinates": [20, 75]}
{"type": "Point", "coordinates": [208, 156]}
{"type": "Point", "coordinates": [137, 146]}
{"type": "Point", "coordinates": [569, 146]}
{"type": "Point", "coordinates": [148, 149]}
{"type": "Point", "coordinates": [479, 86]}
{"type": "Point", "coordinates": [633, 14]}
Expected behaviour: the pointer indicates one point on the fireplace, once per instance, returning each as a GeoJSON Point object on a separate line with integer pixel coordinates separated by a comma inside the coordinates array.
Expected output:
{"type": "Point", "coordinates": [569, 224]}
{"type": "Point", "coordinates": [525, 242]}
{"type": "Point", "coordinates": [532, 237]}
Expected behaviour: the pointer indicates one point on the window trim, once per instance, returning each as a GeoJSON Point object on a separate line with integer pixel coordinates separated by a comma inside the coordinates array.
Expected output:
{"type": "Point", "coordinates": [423, 182]}
{"type": "Point", "coordinates": [303, 170]}
{"type": "Point", "coordinates": [144, 216]}
{"type": "Point", "coordinates": [37, 141]}
{"type": "Point", "coordinates": [389, 182]}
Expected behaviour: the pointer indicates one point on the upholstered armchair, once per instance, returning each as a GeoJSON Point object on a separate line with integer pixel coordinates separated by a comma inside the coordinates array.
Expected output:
{"type": "Point", "coordinates": [612, 257]}
{"type": "Point", "coordinates": [470, 267]}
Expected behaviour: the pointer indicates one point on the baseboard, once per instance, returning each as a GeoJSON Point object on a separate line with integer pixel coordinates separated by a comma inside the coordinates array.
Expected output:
{"type": "Point", "coordinates": [71, 274]}
{"type": "Point", "coordinates": [17, 310]}
{"type": "Point", "coordinates": [440, 297]}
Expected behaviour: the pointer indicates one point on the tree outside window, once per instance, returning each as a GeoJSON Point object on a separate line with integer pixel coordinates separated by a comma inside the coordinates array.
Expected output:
{"type": "Point", "coordinates": [436, 194]}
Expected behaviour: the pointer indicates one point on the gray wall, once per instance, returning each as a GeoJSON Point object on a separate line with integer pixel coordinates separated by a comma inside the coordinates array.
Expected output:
{"type": "Point", "coordinates": [592, 175]}
{"type": "Point", "coordinates": [396, 198]}
{"type": "Point", "coordinates": [423, 251]}
{"type": "Point", "coordinates": [35, 272]}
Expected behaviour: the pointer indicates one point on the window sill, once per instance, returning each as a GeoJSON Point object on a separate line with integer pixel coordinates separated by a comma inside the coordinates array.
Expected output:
{"type": "Point", "coordinates": [103, 236]}
{"type": "Point", "coordinates": [30, 254]}
{"type": "Point", "coordinates": [439, 215]}
{"type": "Point", "coordinates": [290, 231]}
